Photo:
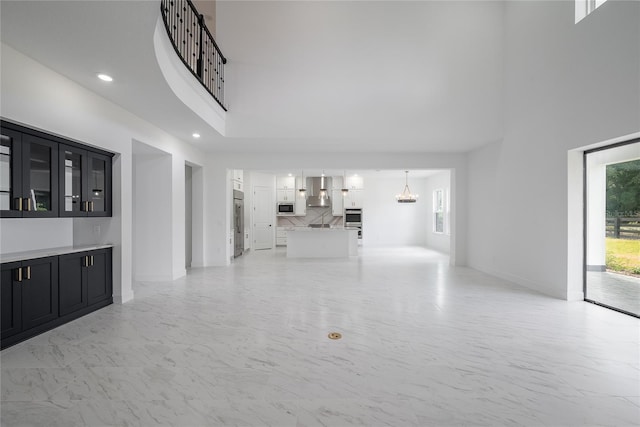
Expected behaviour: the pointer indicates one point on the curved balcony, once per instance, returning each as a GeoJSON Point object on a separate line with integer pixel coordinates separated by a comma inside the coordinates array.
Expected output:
{"type": "Point", "coordinates": [195, 45]}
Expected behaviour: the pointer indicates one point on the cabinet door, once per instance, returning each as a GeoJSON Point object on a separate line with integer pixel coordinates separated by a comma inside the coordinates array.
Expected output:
{"type": "Point", "coordinates": [285, 195]}
{"type": "Point", "coordinates": [99, 281]}
{"type": "Point", "coordinates": [353, 199]}
{"type": "Point", "coordinates": [336, 183]}
{"type": "Point", "coordinates": [10, 297]}
{"type": "Point", "coordinates": [10, 174]}
{"type": "Point", "coordinates": [39, 177]}
{"type": "Point", "coordinates": [337, 203]}
{"type": "Point", "coordinates": [286, 182]}
{"type": "Point", "coordinates": [72, 185]}
{"type": "Point", "coordinates": [300, 206]}
{"type": "Point", "coordinates": [73, 282]}
{"type": "Point", "coordinates": [39, 291]}
{"type": "Point", "coordinates": [98, 186]}
{"type": "Point", "coordinates": [355, 183]}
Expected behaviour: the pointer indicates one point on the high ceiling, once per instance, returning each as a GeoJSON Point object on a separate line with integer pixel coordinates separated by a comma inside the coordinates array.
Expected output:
{"type": "Point", "coordinates": [421, 76]}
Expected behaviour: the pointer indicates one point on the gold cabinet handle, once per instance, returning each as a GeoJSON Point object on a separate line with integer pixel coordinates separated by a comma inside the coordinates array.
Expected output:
{"type": "Point", "coordinates": [28, 204]}
{"type": "Point", "coordinates": [85, 262]}
{"type": "Point", "coordinates": [92, 260]}
{"type": "Point", "coordinates": [18, 202]}
{"type": "Point", "coordinates": [19, 274]}
{"type": "Point", "coordinates": [28, 272]}
{"type": "Point", "coordinates": [90, 206]}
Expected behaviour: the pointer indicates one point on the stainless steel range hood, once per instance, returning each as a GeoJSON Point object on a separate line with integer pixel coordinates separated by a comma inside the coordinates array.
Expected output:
{"type": "Point", "coordinates": [314, 186]}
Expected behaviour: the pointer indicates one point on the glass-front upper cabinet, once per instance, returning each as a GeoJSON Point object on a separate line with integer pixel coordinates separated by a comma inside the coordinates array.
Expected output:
{"type": "Point", "coordinates": [99, 179]}
{"type": "Point", "coordinates": [39, 177]}
{"type": "Point", "coordinates": [85, 183]}
{"type": "Point", "coordinates": [28, 175]}
{"type": "Point", "coordinates": [10, 178]}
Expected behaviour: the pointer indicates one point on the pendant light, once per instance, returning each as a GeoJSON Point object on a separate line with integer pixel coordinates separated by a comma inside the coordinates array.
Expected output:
{"type": "Point", "coordinates": [406, 196]}
{"type": "Point", "coordinates": [302, 191]}
{"type": "Point", "coordinates": [323, 189]}
{"type": "Point", "coordinates": [345, 190]}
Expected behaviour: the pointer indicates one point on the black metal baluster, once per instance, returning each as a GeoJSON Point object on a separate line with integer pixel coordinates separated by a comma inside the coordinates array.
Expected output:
{"type": "Point", "coordinates": [195, 45]}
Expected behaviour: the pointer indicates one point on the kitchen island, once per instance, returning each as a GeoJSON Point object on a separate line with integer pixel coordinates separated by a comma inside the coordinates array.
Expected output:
{"type": "Point", "coordinates": [322, 243]}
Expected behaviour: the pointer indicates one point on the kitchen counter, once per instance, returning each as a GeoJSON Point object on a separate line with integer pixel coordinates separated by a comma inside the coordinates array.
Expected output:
{"type": "Point", "coordinates": [42, 253]}
{"type": "Point", "coordinates": [322, 243]}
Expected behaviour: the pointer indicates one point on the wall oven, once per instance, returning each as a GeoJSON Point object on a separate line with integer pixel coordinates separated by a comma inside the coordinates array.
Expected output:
{"type": "Point", "coordinates": [353, 219]}
{"type": "Point", "coordinates": [285, 209]}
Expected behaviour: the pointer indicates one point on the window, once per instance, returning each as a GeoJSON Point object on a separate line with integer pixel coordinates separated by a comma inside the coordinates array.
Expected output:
{"type": "Point", "coordinates": [585, 7]}
{"type": "Point", "coordinates": [438, 211]}
{"type": "Point", "coordinates": [447, 208]}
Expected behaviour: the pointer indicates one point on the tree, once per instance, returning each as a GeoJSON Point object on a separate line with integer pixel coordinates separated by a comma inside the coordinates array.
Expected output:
{"type": "Point", "coordinates": [623, 189]}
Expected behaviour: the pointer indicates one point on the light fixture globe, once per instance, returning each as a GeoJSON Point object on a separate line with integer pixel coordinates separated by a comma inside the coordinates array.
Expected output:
{"type": "Point", "coordinates": [302, 191]}
{"type": "Point", "coordinates": [345, 190]}
{"type": "Point", "coordinates": [406, 196]}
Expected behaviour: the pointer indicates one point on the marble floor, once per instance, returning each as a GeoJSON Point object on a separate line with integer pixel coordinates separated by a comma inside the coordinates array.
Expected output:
{"type": "Point", "coordinates": [424, 344]}
{"type": "Point", "coordinates": [615, 290]}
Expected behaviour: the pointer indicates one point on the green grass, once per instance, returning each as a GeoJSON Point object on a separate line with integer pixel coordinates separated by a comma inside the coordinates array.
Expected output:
{"type": "Point", "coordinates": [623, 255]}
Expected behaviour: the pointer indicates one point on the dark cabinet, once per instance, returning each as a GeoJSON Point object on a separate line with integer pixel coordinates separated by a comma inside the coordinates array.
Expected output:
{"type": "Point", "coordinates": [99, 279]}
{"type": "Point", "coordinates": [11, 300]}
{"type": "Point", "coordinates": [29, 295]}
{"type": "Point", "coordinates": [85, 182]}
{"type": "Point", "coordinates": [85, 279]}
{"type": "Point", "coordinates": [40, 294]}
{"type": "Point", "coordinates": [44, 175]}
{"type": "Point", "coordinates": [28, 175]}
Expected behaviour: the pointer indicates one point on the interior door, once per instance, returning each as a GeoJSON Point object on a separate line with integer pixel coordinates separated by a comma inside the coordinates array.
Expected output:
{"type": "Point", "coordinates": [263, 217]}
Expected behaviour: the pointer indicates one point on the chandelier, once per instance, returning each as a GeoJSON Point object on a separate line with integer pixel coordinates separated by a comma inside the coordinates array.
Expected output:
{"type": "Point", "coordinates": [406, 196]}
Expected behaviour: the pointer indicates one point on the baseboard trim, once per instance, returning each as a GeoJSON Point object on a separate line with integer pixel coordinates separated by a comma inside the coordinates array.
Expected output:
{"type": "Point", "coordinates": [121, 299]}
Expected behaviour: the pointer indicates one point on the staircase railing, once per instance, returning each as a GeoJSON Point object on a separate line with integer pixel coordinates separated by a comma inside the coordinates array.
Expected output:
{"type": "Point", "coordinates": [195, 45]}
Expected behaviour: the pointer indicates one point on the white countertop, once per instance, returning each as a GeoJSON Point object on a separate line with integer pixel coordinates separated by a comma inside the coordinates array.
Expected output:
{"type": "Point", "coordinates": [42, 253]}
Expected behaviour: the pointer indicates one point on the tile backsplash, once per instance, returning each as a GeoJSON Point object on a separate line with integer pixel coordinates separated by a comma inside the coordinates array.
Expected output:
{"type": "Point", "coordinates": [313, 216]}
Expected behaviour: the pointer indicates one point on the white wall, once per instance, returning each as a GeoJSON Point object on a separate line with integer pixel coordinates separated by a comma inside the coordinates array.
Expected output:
{"type": "Point", "coordinates": [441, 181]}
{"type": "Point", "coordinates": [38, 97]}
{"type": "Point", "coordinates": [484, 217]}
{"type": "Point", "coordinates": [385, 222]}
{"type": "Point", "coordinates": [152, 214]}
{"type": "Point", "coordinates": [44, 233]}
{"type": "Point", "coordinates": [566, 86]}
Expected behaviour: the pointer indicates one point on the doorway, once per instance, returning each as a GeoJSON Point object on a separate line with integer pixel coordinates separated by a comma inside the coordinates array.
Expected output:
{"type": "Point", "coordinates": [612, 227]}
{"type": "Point", "coordinates": [188, 215]}
{"type": "Point", "coordinates": [263, 217]}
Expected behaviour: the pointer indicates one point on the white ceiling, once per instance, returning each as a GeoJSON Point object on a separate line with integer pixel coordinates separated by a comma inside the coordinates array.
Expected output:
{"type": "Point", "coordinates": [422, 76]}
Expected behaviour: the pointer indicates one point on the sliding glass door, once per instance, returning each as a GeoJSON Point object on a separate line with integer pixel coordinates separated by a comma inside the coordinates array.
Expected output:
{"type": "Point", "coordinates": [612, 227]}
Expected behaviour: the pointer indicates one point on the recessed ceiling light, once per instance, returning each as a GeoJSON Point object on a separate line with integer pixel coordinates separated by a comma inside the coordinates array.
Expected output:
{"type": "Point", "coordinates": [196, 135]}
{"type": "Point", "coordinates": [290, 175]}
{"type": "Point", "coordinates": [105, 77]}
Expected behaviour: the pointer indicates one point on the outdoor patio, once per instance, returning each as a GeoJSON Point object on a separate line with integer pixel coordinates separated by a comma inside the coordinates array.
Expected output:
{"type": "Point", "coordinates": [615, 290]}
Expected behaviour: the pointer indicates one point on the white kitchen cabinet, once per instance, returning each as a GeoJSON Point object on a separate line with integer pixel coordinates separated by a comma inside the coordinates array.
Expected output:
{"type": "Point", "coordinates": [281, 236]}
{"type": "Point", "coordinates": [336, 183]}
{"type": "Point", "coordinates": [353, 199]}
{"type": "Point", "coordinates": [285, 195]}
{"type": "Point", "coordinates": [237, 178]}
{"type": "Point", "coordinates": [355, 183]}
{"type": "Point", "coordinates": [300, 207]}
{"type": "Point", "coordinates": [286, 182]}
{"type": "Point", "coordinates": [301, 201]}
{"type": "Point", "coordinates": [337, 202]}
